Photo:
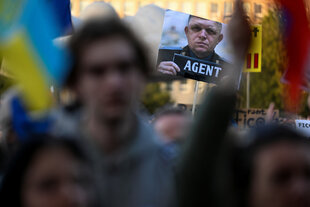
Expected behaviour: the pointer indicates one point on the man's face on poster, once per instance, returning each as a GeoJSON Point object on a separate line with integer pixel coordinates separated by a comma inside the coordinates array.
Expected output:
{"type": "Point", "coordinates": [203, 35]}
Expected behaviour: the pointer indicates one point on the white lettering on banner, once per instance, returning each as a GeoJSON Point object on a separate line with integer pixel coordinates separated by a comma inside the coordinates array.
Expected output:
{"type": "Point", "coordinates": [209, 70]}
{"type": "Point", "coordinates": [201, 68]}
{"type": "Point", "coordinates": [217, 71]}
{"type": "Point", "coordinates": [188, 65]}
{"type": "Point", "coordinates": [195, 67]}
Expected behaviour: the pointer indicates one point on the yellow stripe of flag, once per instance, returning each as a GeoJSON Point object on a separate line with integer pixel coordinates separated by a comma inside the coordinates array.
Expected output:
{"type": "Point", "coordinates": [25, 66]}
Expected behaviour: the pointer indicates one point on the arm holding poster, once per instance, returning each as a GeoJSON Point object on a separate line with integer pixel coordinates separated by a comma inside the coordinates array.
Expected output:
{"type": "Point", "coordinates": [197, 172]}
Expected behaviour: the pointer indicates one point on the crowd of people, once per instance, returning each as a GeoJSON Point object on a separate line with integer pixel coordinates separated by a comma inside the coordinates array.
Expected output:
{"type": "Point", "coordinates": [100, 151]}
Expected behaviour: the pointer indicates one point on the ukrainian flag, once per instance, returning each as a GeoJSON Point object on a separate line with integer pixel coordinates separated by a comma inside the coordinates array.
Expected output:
{"type": "Point", "coordinates": [27, 28]}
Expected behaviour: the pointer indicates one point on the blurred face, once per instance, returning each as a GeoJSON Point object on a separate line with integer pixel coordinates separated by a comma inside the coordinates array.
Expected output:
{"type": "Point", "coordinates": [203, 36]}
{"type": "Point", "coordinates": [56, 179]}
{"type": "Point", "coordinates": [110, 82]}
{"type": "Point", "coordinates": [281, 176]}
{"type": "Point", "coordinates": [172, 127]}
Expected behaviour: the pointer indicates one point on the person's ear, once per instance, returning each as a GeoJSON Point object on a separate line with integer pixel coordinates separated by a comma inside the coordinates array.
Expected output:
{"type": "Point", "coordinates": [186, 30]}
{"type": "Point", "coordinates": [220, 38]}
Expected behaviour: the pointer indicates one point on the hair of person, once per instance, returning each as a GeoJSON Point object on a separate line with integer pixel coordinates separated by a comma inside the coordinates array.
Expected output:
{"type": "Point", "coordinates": [243, 162]}
{"type": "Point", "coordinates": [169, 110]}
{"type": "Point", "coordinates": [13, 179]}
{"type": "Point", "coordinates": [218, 24]}
{"type": "Point", "coordinates": [100, 29]}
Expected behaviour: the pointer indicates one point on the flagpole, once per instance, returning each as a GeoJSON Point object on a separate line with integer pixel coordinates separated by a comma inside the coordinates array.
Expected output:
{"type": "Point", "coordinates": [195, 97]}
{"type": "Point", "coordinates": [248, 90]}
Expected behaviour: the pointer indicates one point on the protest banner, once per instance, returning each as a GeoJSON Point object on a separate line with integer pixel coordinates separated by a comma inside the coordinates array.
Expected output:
{"type": "Point", "coordinates": [194, 42]}
{"type": "Point", "coordinates": [198, 69]}
{"type": "Point", "coordinates": [253, 62]}
{"type": "Point", "coordinates": [303, 126]}
{"type": "Point", "coordinates": [251, 118]}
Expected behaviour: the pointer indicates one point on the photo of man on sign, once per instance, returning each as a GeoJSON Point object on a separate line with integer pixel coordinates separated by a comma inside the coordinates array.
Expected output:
{"type": "Point", "coordinates": [198, 58]}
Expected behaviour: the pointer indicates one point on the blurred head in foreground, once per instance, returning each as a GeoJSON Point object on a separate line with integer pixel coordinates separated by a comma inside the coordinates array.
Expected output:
{"type": "Point", "coordinates": [172, 124]}
{"type": "Point", "coordinates": [109, 69]}
{"type": "Point", "coordinates": [98, 9]}
{"type": "Point", "coordinates": [49, 172]}
{"type": "Point", "coordinates": [273, 169]}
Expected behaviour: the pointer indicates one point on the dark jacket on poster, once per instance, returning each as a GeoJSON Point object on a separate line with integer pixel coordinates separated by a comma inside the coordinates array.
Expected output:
{"type": "Point", "coordinates": [167, 53]}
{"type": "Point", "coordinates": [214, 57]}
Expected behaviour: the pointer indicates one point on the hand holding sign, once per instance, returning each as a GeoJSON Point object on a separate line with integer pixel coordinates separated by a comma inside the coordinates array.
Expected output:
{"type": "Point", "coordinates": [168, 67]}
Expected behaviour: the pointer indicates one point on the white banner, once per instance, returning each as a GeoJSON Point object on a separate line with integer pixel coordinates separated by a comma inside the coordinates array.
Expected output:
{"type": "Point", "coordinates": [303, 126]}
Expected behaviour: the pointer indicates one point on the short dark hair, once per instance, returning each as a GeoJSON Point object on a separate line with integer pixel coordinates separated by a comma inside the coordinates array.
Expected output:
{"type": "Point", "coordinates": [218, 24]}
{"type": "Point", "coordinates": [169, 110]}
{"type": "Point", "coordinates": [244, 156]}
{"type": "Point", "coordinates": [98, 29]}
{"type": "Point", "coordinates": [13, 180]}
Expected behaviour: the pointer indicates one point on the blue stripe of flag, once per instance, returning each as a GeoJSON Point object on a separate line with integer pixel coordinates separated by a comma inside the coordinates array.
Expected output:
{"type": "Point", "coordinates": [42, 26]}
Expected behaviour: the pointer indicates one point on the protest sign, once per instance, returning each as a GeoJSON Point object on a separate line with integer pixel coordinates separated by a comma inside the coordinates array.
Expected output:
{"type": "Point", "coordinates": [198, 69]}
{"type": "Point", "coordinates": [303, 126]}
{"type": "Point", "coordinates": [253, 61]}
{"type": "Point", "coordinates": [250, 118]}
{"type": "Point", "coordinates": [196, 39]}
